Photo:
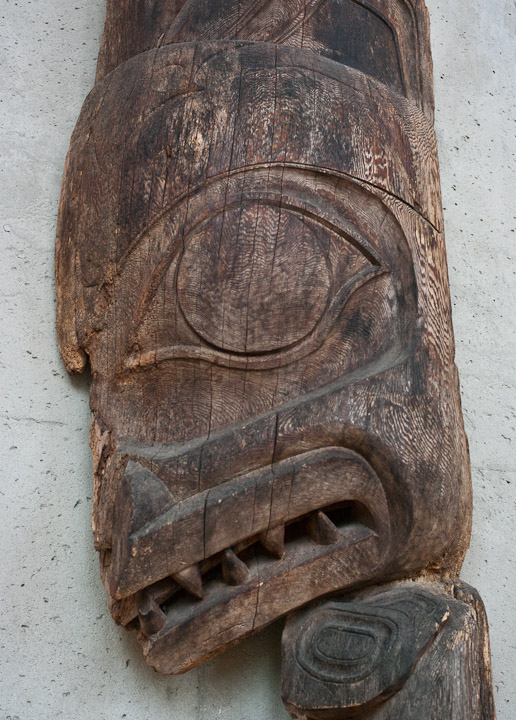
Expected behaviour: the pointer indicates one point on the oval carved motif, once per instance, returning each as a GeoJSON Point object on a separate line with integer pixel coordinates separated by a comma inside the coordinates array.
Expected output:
{"type": "Point", "coordinates": [346, 646]}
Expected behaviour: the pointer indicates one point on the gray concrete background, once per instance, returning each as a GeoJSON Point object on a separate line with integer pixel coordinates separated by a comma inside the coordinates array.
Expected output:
{"type": "Point", "coordinates": [60, 653]}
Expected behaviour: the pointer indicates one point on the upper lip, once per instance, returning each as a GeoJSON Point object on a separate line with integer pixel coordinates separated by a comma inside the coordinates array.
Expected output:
{"type": "Point", "coordinates": [161, 528]}
{"type": "Point", "coordinates": [235, 512]}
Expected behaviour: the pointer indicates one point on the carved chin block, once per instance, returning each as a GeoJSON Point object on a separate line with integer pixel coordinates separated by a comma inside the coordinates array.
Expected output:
{"type": "Point", "coordinates": [251, 258]}
{"type": "Point", "coordinates": [397, 653]}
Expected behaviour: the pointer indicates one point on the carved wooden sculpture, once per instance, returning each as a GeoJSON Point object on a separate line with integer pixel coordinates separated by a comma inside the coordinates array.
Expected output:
{"type": "Point", "coordinates": [251, 257]}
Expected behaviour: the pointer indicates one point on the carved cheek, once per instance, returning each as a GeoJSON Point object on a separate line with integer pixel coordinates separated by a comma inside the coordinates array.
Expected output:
{"type": "Point", "coordinates": [257, 303]}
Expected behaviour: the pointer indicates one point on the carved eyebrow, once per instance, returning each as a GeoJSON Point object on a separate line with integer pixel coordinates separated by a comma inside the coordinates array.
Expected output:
{"type": "Point", "coordinates": [352, 234]}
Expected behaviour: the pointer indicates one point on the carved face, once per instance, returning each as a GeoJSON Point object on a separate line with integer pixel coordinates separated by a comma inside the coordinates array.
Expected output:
{"type": "Point", "coordinates": [262, 294]}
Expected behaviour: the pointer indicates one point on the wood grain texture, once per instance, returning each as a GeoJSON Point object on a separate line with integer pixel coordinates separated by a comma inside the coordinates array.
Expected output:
{"type": "Point", "coordinates": [250, 257]}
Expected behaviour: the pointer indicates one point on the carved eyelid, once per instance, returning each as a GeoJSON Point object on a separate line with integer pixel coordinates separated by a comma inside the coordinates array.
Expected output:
{"type": "Point", "coordinates": [351, 234]}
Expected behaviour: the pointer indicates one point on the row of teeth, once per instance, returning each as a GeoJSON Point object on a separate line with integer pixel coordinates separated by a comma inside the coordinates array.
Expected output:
{"type": "Point", "coordinates": [234, 570]}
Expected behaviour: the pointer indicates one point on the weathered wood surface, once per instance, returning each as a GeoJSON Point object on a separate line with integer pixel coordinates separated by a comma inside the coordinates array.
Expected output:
{"type": "Point", "coordinates": [251, 258]}
{"type": "Point", "coordinates": [412, 650]}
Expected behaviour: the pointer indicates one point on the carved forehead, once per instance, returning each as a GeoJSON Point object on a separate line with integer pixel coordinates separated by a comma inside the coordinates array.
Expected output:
{"type": "Point", "coordinates": [216, 113]}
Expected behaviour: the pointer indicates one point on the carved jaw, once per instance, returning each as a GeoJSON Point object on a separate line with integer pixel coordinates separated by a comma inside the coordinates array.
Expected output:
{"type": "Point", "coordinates": [215, 538]}
{"type": "Point", "coordinates": [228, 613]}
{"type": "Point", "coordinates": [234, 558]}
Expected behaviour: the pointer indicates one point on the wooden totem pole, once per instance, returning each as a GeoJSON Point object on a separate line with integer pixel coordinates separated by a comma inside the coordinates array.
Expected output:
{"type": "Point", "coordinates": [251, 258]}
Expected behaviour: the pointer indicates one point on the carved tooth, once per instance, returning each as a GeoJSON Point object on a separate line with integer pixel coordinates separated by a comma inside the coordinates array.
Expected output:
{"type": "Point", "coordinates": [322, 530]}
{"type": "Point", "coordinates": [234, 570]}
{"type": "Point", "coordinates": [191, 580]}
{"type": "Point", "coordinates": [274, 541]}
{"type": "Point", "coordinates": [152, 617]}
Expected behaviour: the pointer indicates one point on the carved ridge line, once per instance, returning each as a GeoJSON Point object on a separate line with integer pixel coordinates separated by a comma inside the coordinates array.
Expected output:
{"type": "Point", "coordinates": [264, 166]}
{"type": "Point", "coordinates": [259, 361]}
{"type": "Point", "coordinates": [367, 628]}
{"type": "Point", "coordinates": [333, 308]}
{"type": "Point", "coordinates": [417, 37]}
{"type": "Point", "coordinates": [391, 359]}
{"type": "Point", "coordinates": [279, 39]}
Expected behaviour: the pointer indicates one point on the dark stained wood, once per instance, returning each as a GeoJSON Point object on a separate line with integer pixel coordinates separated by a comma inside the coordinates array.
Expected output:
{"type": "Point", "coordinates": [417, 650]}
{"type": "Point", "coordinates": [250, 257]}
{"type": "Point", "coordinates": [386, 40]}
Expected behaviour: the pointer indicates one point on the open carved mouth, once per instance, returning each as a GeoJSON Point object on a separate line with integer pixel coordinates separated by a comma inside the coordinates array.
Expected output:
{"type": "Point", "coordinates": [241, 554]}
{"type": "Point", "coordinates": [237, 566]}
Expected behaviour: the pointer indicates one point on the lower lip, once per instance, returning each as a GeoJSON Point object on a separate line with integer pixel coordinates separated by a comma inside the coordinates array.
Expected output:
{"type": "Point", "coordinates": [196, 630]}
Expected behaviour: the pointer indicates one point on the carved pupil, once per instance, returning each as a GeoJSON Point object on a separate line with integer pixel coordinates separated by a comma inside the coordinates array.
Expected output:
{"type": "Point", "coordinates": [254, 279]}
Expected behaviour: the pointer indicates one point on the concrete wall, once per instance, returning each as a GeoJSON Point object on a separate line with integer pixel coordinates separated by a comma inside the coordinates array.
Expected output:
{"type": "Point", "coordinates": [60, 653]}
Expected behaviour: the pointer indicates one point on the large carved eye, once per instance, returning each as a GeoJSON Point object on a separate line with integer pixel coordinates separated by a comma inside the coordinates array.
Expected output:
{"type": "Point", "coordinates": [254, 279]}
{"type": "Point", "coordinates": [257, 283]}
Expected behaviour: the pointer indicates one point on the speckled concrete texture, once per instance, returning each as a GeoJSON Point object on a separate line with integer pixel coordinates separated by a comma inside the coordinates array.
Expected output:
{"type": "Point", "coordinates": [474, 46]}
{"type": "Point", "coordinates": [60, 653]}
